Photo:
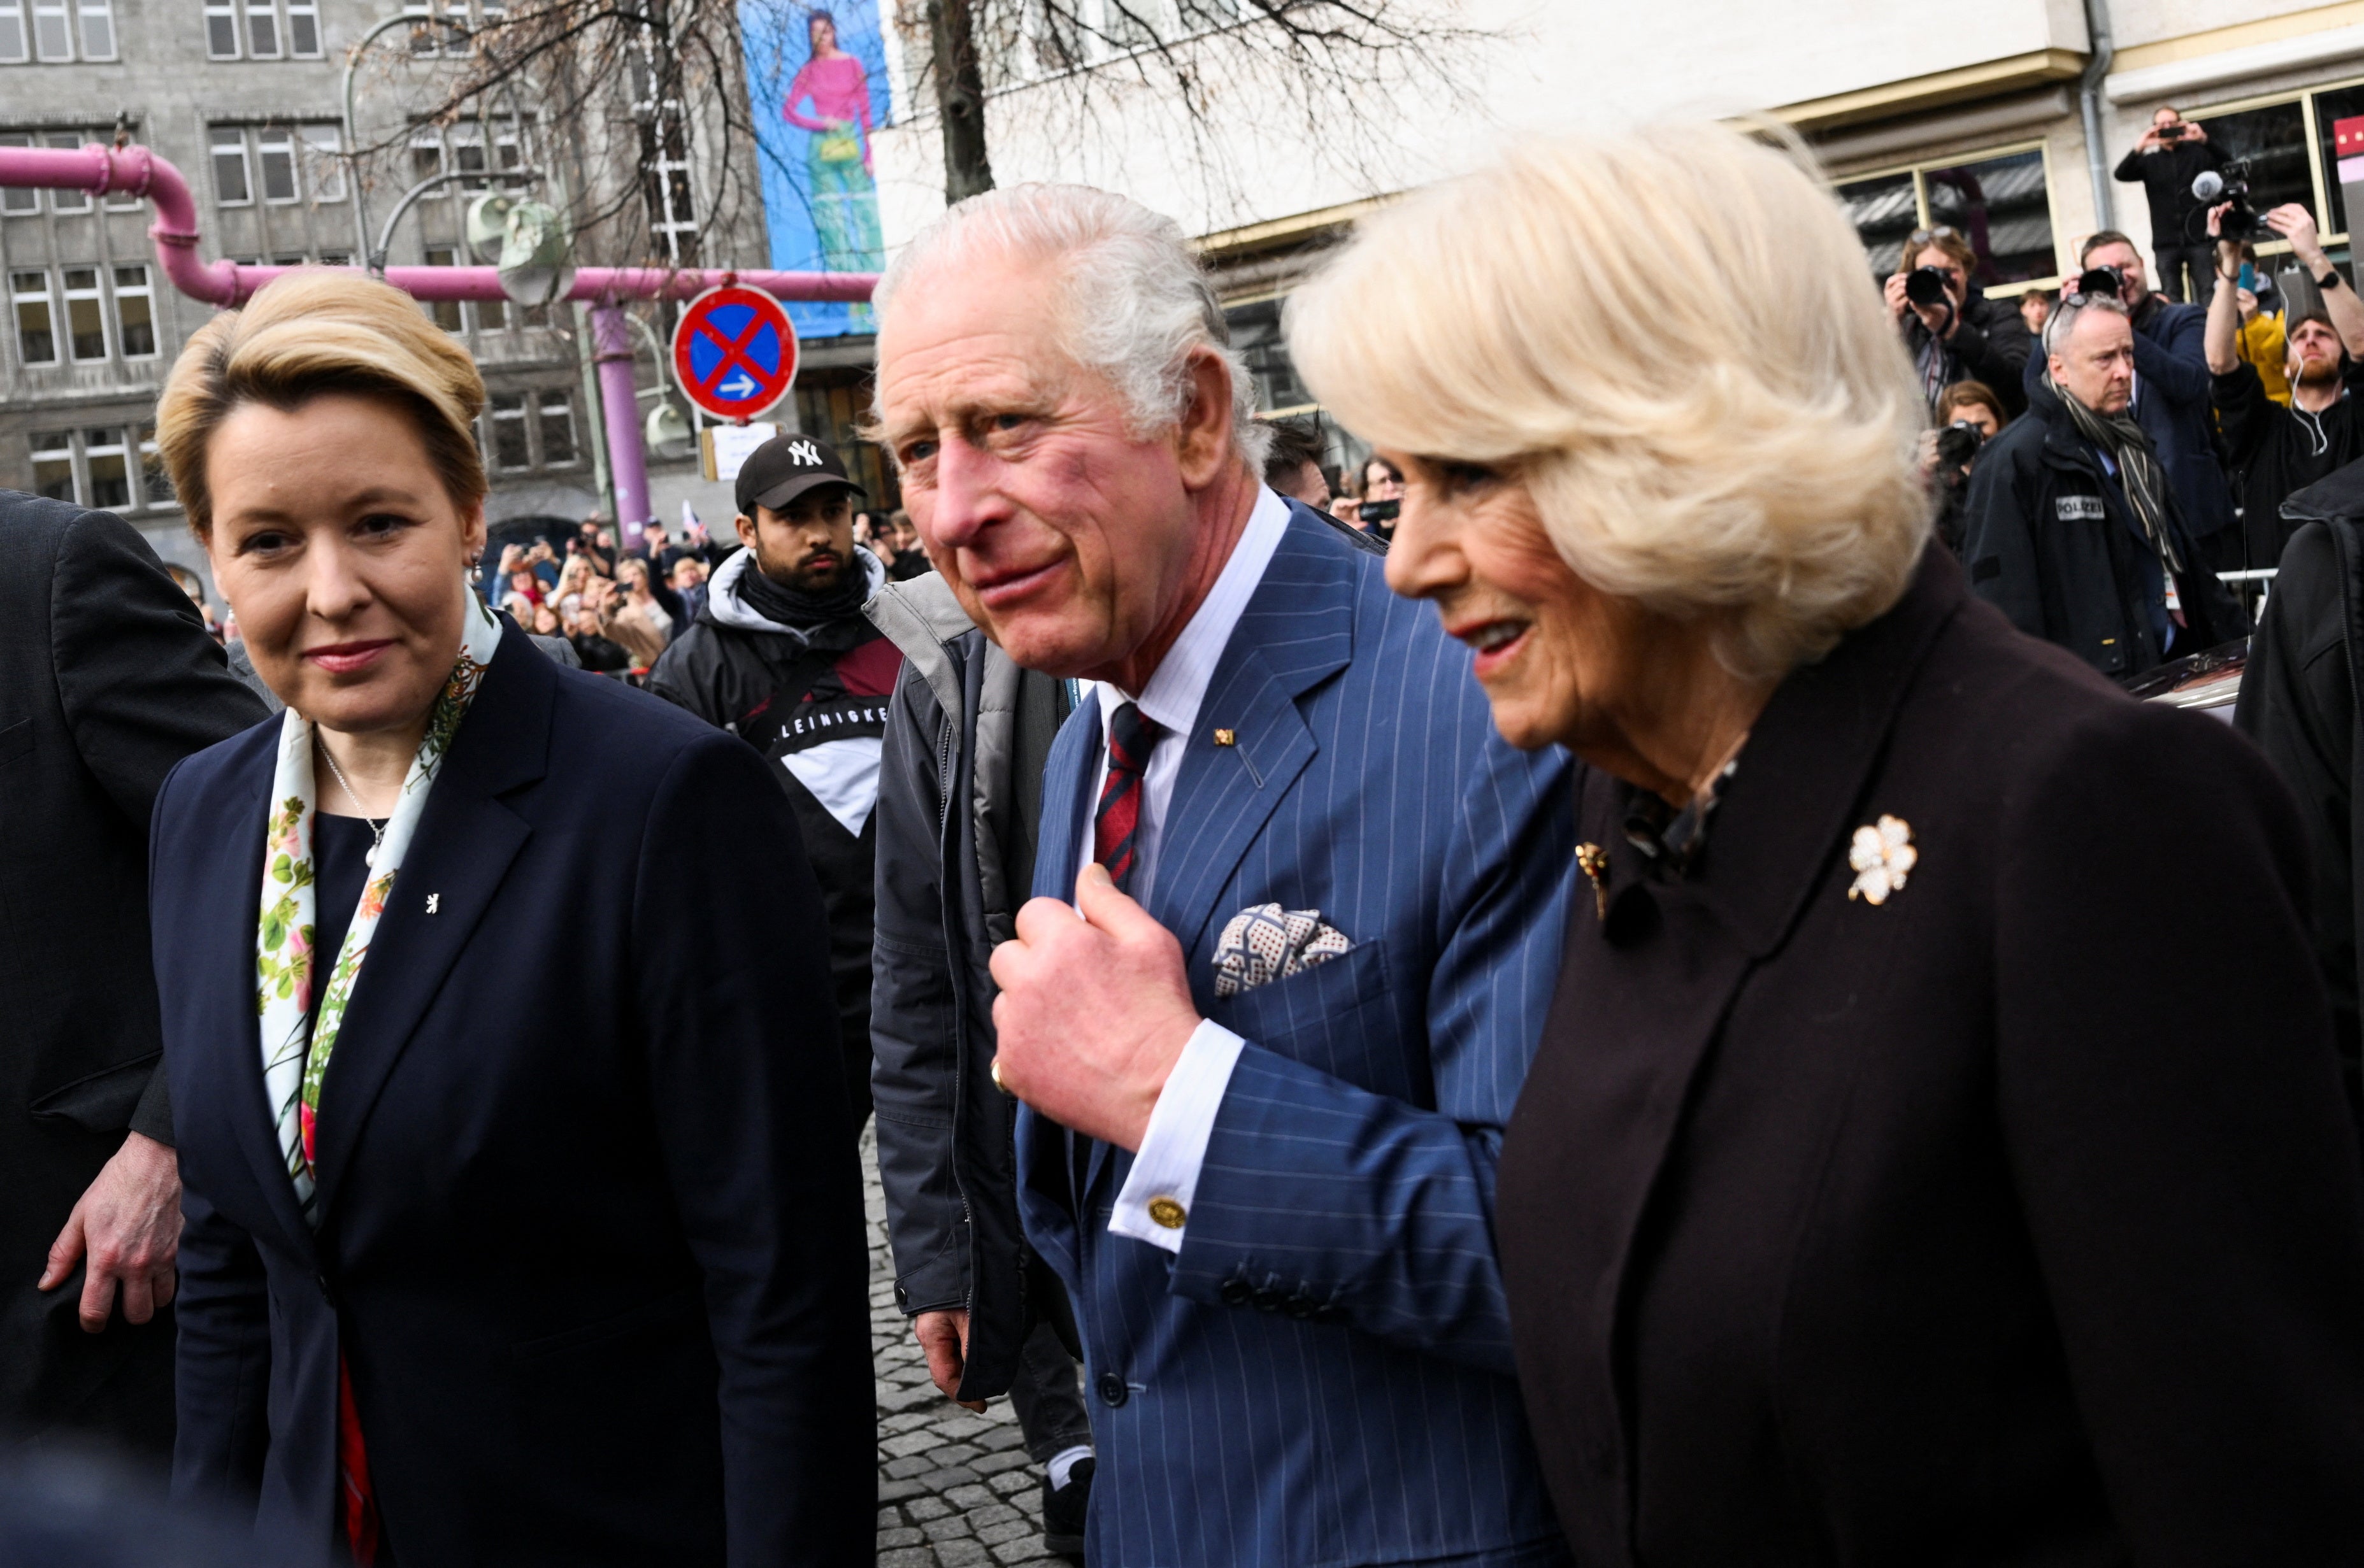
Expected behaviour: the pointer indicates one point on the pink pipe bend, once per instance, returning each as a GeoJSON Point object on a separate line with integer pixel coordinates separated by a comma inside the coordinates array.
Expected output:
{"type": "Point", "coordinates": [136, 171]}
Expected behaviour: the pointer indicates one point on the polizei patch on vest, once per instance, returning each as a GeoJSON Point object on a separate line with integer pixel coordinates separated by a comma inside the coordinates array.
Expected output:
{"type": "Point", "coordinates": [2079, 509]}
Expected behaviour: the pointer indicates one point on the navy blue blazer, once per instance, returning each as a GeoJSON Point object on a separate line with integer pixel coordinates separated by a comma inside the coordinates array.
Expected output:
{"type": "Point", "coordinates": [590, 1230]}
{"type": "Point", "coordinates": [1323, 1375]}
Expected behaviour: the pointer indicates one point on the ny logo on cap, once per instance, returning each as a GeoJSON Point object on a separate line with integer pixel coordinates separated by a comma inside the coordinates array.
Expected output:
{"type": "Point", "coordinates": [804, 453]}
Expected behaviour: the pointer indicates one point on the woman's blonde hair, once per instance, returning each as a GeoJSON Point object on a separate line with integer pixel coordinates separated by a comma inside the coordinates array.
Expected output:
{"type": "Point", "coordinates": [1673, 337]}
{"type": "Point", "coordinates": [312, 333]}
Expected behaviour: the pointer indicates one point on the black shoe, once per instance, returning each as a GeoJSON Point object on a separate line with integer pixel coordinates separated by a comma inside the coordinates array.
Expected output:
{"type": "Point", "coordinates": [1062, 1511]}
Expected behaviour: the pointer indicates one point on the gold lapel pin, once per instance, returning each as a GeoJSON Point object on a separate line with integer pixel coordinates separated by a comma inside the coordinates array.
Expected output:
{"type": "Point", "coordinates": [1227, 738]}
{"type": "Point", "coordinates": [1594, 862]}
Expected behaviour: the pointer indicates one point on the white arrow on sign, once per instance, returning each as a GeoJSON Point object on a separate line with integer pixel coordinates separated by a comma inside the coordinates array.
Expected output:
{"type": "Point", "coordinates": [740, 387]}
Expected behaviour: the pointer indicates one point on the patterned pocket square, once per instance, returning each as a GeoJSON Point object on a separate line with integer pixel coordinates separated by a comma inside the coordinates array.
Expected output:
{"type": "Point", "coordinates": [1265, 942]}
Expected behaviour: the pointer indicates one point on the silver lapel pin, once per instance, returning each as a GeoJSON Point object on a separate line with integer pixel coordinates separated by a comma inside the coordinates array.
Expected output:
{"type": "Point", "coordinates": [433, 899]}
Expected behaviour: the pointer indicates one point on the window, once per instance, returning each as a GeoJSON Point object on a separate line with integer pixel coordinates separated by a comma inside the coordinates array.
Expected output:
{"type": "Point", "coordinates": [230, 188]}
{"type": "Point", "coordinates": [304, 29]}
{"type": "Point", "coordinates": [155, 484]}
{"type": "Point", "coordinates": [1255, 333]}
{"type": "Point", "coordinates": [446, 312]}
{"type": "Point", "coordinates": [275, 151]}
{"type": "Point", "coordinates": [557, 416]}
{"type": "Point", "coordinates": [492, 315]}
{"type": "Point", "coordinates": [66, 201]}
{"type": "Point", "coordinates": [97, 29]}
{"type": "Point", "coordinates": [51, 38]}
{"type": "Point", "coordinates": [36, 337]}
{"type": "Point", "coordinates": [85, 315]}
{"type": "Point", "coordinates": [2290, 148]}
{"type": "Point", "coordinates": [261, 29]}
{"type": "Point", "coordinates": [467, 143]}
{"type": "Point", "coordinates": [2272, 139]}
{"type": "Point", "coordinates": [18, 198]}
{"type": "Point", "coordinates": [12, 32]}
{"type": "Point", "coordinates": [221, 28]}
{"type": "Point", "coordinates": [510, 452]}
{"type": "Point", "coordinates": [324, 163]}
{"type": "Point", "coordinates": [426, 160]}
{"type": "Point", "coordinates": [135, 319]}
{"type": "Point", "coordinates": [2000, 204]}
{"type": "Point", "coordinates": [53, 467]}
{"type": "Point", "coordinates": [110, 477]}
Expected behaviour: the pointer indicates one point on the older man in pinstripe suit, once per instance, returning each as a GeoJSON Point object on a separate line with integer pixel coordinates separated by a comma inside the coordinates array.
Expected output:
{"type": "Point", "coordinates": [1267, 1069]}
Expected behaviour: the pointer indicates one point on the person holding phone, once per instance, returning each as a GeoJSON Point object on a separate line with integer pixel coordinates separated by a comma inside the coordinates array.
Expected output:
{"type": "Point", "coordinates": [2171, 155]}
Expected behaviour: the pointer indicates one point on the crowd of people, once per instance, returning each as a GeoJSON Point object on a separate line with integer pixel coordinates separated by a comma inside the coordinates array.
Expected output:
{"type": "Point", "coordinates": [1582, 991]}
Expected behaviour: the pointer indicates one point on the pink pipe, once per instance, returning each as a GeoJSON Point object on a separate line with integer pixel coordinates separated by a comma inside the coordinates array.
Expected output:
{"type": "Point", "coordinates": [136, 171]}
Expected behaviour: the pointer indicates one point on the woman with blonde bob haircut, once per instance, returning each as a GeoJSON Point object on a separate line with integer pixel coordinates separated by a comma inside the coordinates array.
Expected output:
{"type": "Point", "coordinates": [1875, 1194]}
{"type": "Point", "coordinates": [518, 1222]}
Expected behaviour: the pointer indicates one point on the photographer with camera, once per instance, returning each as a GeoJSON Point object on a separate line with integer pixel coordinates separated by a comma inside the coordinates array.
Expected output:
{"type": "Point", "coordinates": [1969, 416]}
{"type": "Point", "coordinates": [2075, 532]}
{"type": "Point", "coordinates": [2172, 154]}
{"type": "Point", "coordinates": [1953, 331]}
{"type": "Point", "coordinates": [2274, 449]}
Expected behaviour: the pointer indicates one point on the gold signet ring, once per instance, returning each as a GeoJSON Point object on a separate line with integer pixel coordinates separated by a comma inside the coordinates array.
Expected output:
{"type": "Point", "coordinates": [996, 1076]}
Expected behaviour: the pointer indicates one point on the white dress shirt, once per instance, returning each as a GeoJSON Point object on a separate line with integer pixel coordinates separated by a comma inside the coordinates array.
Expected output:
{"type": "Point", "coordinates": [1165, 1176]}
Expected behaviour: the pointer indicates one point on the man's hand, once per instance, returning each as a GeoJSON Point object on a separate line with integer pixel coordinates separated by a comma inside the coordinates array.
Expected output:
{"type": "Point", "coordinates": [130, 1223]}
{"type": "Point", "coordinates": [1894, 295]}
{"type": "Point", "coordinates": [2247, 302]}
{"type": "Point", "coordinates": [2295, 224]}
{"type": "Point", "coordinates": [1093, 1012]}
{"type": "Point", "coordinates": [943, 1339]}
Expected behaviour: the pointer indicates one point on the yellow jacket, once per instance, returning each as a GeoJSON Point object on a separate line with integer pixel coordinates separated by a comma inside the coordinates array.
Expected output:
{"type": "Point", "coordinates": [2263, 344]}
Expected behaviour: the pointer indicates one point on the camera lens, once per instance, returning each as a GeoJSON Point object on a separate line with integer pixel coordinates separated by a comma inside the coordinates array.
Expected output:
{"type": "Point", "coordinates": [1925, 285]}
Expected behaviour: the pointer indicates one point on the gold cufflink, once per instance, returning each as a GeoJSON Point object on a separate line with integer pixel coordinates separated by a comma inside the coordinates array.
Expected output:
{"type": "Point", "coordinates": [1226, 737]}
{"type": "Point", "coordinates": [1168, 1213]}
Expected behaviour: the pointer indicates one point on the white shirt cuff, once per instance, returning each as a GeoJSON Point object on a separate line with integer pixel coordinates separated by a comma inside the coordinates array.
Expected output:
{"type": "Point", "coordinates": [1154, 1204]}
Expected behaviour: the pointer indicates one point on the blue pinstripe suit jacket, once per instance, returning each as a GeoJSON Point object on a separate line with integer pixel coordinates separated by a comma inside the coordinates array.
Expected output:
{"type": "Point", "coordinates": [1323, 1376]}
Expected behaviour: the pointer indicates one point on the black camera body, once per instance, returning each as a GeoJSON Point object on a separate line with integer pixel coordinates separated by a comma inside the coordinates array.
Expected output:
{"type": "Point", "coordinates": [2105, 282]}
{"type": "Point", "coordinates": [1958, 443]}
{"type": "Point", "coordinates": [2175, 132]}
{"type": "Point", "coordinates": [1926, 286]}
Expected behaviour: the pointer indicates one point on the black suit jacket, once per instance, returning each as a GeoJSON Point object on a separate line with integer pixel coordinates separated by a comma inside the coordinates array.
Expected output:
{"type": "Point", "coordinates": [2015, 1219]}
{"type": "Point", "coordinates": [106, 679]}
{"type": "Point", "coordinates": [590, 1230]}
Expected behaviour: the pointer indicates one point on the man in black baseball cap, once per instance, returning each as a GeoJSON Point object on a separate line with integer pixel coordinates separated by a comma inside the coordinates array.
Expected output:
{"type": "Point", "coordinates": [781, 656]}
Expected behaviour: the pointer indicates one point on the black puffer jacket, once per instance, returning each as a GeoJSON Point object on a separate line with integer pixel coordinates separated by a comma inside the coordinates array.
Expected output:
{"type": "Point", "coordinates": [960, 796]}
{"type": "Point", "coordinates": [2053, 543]}
{"type": "Point", "coordinates": [810, 702]}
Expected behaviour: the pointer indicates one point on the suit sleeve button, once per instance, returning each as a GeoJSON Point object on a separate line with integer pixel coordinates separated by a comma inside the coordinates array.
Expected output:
{"type": "Point", "coordinates": [1268, 1299]}
{"type": "Point", "coordinates": [1112, 1390]}
{"type": "Point", "coordinates": [1235, 1292]}
{"type": "Point", "coordinates": [1300, 1306]}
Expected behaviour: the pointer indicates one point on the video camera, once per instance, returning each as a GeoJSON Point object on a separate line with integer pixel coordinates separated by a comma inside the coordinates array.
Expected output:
{"type": "Point", "coordinates": [2232, 185]}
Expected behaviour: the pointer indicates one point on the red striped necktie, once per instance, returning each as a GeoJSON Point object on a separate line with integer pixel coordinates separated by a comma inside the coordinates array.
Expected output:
{"type": "Point", "coordinates": [1116, 837]}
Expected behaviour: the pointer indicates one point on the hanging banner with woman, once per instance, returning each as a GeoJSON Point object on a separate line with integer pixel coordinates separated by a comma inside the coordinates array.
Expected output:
{"type": "Point", "coordinates": [817, 77]}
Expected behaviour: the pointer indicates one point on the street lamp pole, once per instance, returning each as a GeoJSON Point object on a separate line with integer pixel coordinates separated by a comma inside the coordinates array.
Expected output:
{"type": "Point", "coordinates": [352, 136]}
{"type": "Point", "coordinates": [376, 259]}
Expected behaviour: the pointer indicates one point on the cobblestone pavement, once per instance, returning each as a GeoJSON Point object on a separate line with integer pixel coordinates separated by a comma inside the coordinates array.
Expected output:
{"type": "Point", "coordinates": [955, 1490]}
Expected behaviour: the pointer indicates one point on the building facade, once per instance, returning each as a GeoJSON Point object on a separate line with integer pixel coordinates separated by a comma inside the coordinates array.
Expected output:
{"type": "Point", "coordinates": [1974, 120]}
{"type": "Point", "coordinates": [246, 98]}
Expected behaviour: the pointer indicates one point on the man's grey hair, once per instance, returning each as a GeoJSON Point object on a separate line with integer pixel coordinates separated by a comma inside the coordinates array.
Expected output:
{"type": "Point", "coordinates": [1134, 302]}
{"type": "Point", "coordinates": [2063, 319]}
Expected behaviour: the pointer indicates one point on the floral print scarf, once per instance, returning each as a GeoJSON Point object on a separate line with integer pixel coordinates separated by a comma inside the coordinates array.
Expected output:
{"type": "Point", "coordinates": [295, 1051]}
